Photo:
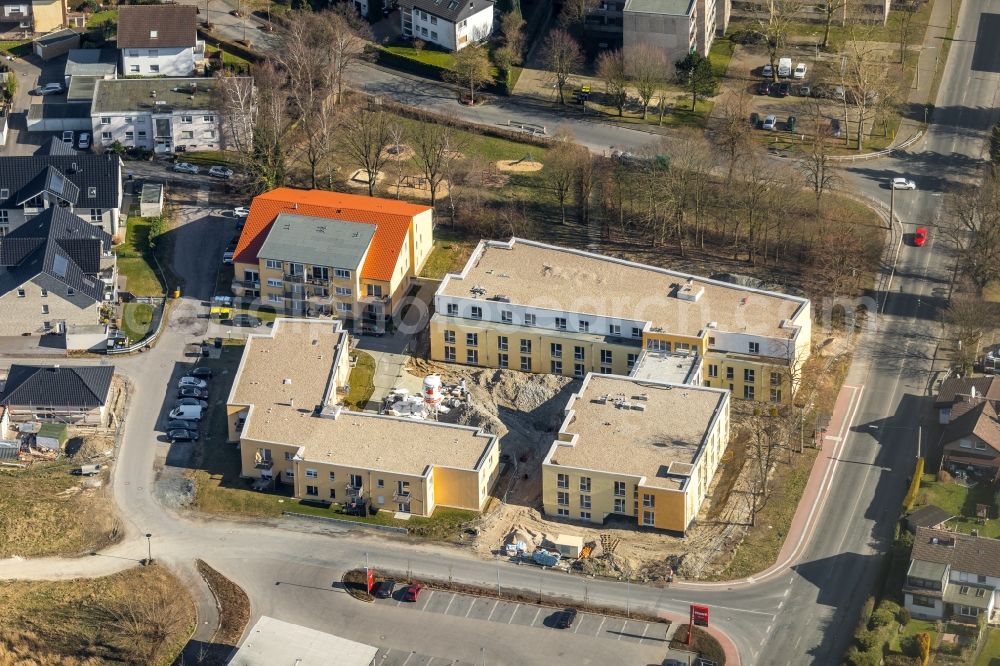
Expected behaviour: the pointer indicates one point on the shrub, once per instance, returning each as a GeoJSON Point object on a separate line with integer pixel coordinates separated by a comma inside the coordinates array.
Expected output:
{"type": "Point", "coordinates": [869, 640]}
{"type": "Point", "coordinates": [865, 658]}
{"type": "Point", "coordinates": [901, 660]}
{"type": "Point", "coordinates": [923, 647]}
{"type": "Point", "coordinates": [903, 616]}
{"type": "Point", "coordinates": [943, 476]}
{"type": "Point", "coordinates": [866, 611]}
{"type": "Point", "coordinates": [883, 617]}
{"type": "Point", "coordinates": [911, 494]}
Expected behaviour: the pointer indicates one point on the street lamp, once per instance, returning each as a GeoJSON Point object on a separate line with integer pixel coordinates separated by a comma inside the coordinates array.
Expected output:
{"type": "Point", "coordinates": [149, 548]}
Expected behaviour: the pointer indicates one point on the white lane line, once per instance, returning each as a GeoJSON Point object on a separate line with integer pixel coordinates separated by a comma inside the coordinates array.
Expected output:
{"type": "Point", "coordinates": [537, 613]}
{"type": "Point", "coordinates": [493, 610]}
{"type": "Point", "coordinates": [427, 601]}
{"type": "Point", "coordinates": [736, 610]}
{"type": "Point", "coordinates": [470, 608]}
{"type": "Point", "coordinates": [577, 628]}
{"type": "Point", "coordinates": [645, 629]}
{"type": "Point", "coordinates": [407, 658]}
{"type": "Point", "coordinates": [513, 614]}
{"type": "Point", "coordinates": [450, 602]}
{"type": "Point", "coordinates": [780, 605]}
{"type": "Point", "coordinates": [604, 618]}
{"type": "Point", "coordinates": [622, 632]}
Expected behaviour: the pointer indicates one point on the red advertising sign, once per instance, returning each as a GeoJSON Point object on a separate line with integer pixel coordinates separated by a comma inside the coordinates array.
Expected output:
{"type": "Point", "coordinates": [699, 615]}
{"type": "Point", "coordinates": [371, 580]}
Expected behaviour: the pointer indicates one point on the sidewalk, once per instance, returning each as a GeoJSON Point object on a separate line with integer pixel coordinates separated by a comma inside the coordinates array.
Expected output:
{"type": "Point", "coordinates": [927, 63]}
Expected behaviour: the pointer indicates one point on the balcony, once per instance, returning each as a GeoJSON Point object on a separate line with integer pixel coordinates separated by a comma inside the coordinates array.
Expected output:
{"type": "Point", "coordinates": [355, 491]}
{"type": "Point", "coordinates": [296, 277]}
{"type": "Point", "coordinates": [246, 284]}
{"type": "Point", "coordinates": [401, 497]}
{"type": "Point", "coordinates": [266, 463]}
{"type": "Point", "coordinates": [318, 281]}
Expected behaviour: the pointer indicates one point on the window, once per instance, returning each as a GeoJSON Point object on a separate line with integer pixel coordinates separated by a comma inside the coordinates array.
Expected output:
{"type": "Point", "coordinates": [775, 379]}
{"type": "Point", "coordinates": [271, 282]}
{"type": "Point", "coordinates": [506, 316]}
{"type": "Point", "coordinates": [128, 120]}
{"type": "Point", "coordinates": [754, 347]}
{"type": "Point", "coordinates": [45, 293]}
{"type": "Point", "coordinates": [274, 298]}
{"type": "Point", "coordinates": [311, 474]}
{"type": "Point", "coordinates": [449, 337]}
{"type": "Point", "coordinates": [503, 361]}
{"type": "Point", "coordinates": [70, 292]}
{"type": "Point", "coordinates": [749, 375]}
{"type": "Point", "coordinates": [289, 455]}
{"type": "Point", "coordinates": [502, 342]}
{"type": "Point", "coordinates": [187, 119]}
{"type": "Point", "coordinates": [434, 35]}
{"type": "Point", "coordinates": [526, 364]}
{"type": "Point", "coordinates": [341, 273]}
{"type": "Point", "coordinates": [20, 293]}
{"type": "Point", "coordinates": [343, 307]}
{"type": "Point", "coordinates": [711, 341]}
{"type": "Point", "coordinates": [713, 371]}
{"type": "Point", "coordinates": [658, 345]}
{"type": "Point", "coordinates": [619, 489]}
{"type": "Point", "coordinates": [630, 361]}
{"type": "Point", "coordinates": [968, 611]}
{"type": "Point", "coordinates": [562, 481]}
{"type": "Point", "coordinates": [619, 506]}
{"type": "Point", "coordinates": [980, 592]}
{"type": "Point", "coordinates": [380, 483]}
{"type": "Point", "coordinates": [449, 354]}
{"type": "Point", "coordinates": [729, 374]}
{"type": "Point", "coordinates": [133, 69]}
{"type": "Point", "coordinates": [562, 499]}
{"type": "Point", "coordinates": [981, 446]}
{"type": "Point", "coordinates": [525, 346]}
{"type": "Point", "coordinates": [926, 602]}
{"type": "Point", "coordinates": [142, 134]}
{"type": "Point", "coordinates": [636, 332]}
{"type": "Point", "coordinates": [583, 325]}
{"type": "Point", "coordinates": [748, 393]}
{"type": "Point", "coordinates": [476, 312]}
{"type": "Point", "coordinates": [556, 350]}
{"type": "Point", "coordinates": [561, 323]}
{"type": "Point", "coordinates": [605, 370]}
{"type": "Point", "coordinates": [556, 367]}
{"type": "Point", "coordinates": [981, 578]}
{"type": "Point", "coordinates": [129, 135]}
{"type": "Point", "coordinates": [647, 518]}
{"type": "Point", "coordinates": [606, 356]}
{"type": "Point", "coordinates": [529, 320]}
{"type": "Point", "coordinates": [355, 481]}
{"type": "Point", "coordinates": [434, 20]}
{"type": "Point", "coordinates": [375, 291]}
{"type": "Point", "coordinates": [584, 501]}
{"type": "Point", "coordinates": [154, 69]}
{"type": "Point", "coordinates": [105, 136]}
{"type": "Point", "coordinates": [648, 501]}
{"type": "Point", "coordinates": [105, 120]}
{"type": "Point", "coordinates": [333, 493]}
{"type": "Point", "coordinates": [472, 339]}
{"type": "Point", "coordinates": [614, 329]}
{"type": "Point", "coordinates": [562, 512]}
{"type": "Point", "coordinates": [4, 193]}
{"type": "Point", "coordinates": [585, 515]}
{"type": "Point", "coordinates": [333, 476]}
{"type": "Point", "coordinates": [45, 309]}
{"type": "Point", "coordinates": [472, 356]}
{"type": "Point", "coordinates": [187, 135]}
{"type": "Point", "coordinates": [208, 119]}
{"type": "Point", "coordinates": [578, 370]}
{"type": "Point", "coordinates": [342, 291]}
{"type": "Point", "coordinates": [578, 353]}
{"type": "Point", "coordinates": [95, 215]}
{"type": "Point", "coordinates": [423, 31]}
{"type": "Point", "coordinates": [290, 473]}
{"type": "Point", "coordinates": [312, 490]}
{"type": "Point", "coordinates": [775, 395]}
{"type": "Point", "coordinates": [584, 484]}
{"type": "Point", "coordinates": [4, 217]}
{"type": "Point", "coordinates": [453, 308]}
{"type": "Point", "coordinates": [208, 134]}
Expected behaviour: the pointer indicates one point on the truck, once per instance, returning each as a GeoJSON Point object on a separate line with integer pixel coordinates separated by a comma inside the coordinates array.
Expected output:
{"type": "Point", "coordinates": [785, 67]}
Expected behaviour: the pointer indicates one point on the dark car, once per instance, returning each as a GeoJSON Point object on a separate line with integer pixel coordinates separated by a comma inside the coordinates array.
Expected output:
{"type": "Point", "coordinates": [191, 392]}
{"type": "Point", "coordinates": [790, 123]}
{"type": "Point", "coordinates": [755, 120]}
{"type": "Point", "coordinates": [372, 330]}
{"type": "Point", "coordinates": [191, 402]}
{"type": "Point", "coordinates": [412, 592]}
{"type": "Point", "coordinates": [566, 619]}
{"type": "Point", "coordinates": [201, 373]}
{"type": "Point", "coordinates": [784, 88]}
{"type": "Point", "coordinates": [764, 88]}
{"type": "Point", "coordinates": [835, 128]}
{"type": "Point", "coordinates": [182, 435]}
{"type": "Point", "coordinates": [385, 589]}
{"type": "Point", "coordinates": [247, 321]}
{"type": "Point", "coordinates": [179, 424]}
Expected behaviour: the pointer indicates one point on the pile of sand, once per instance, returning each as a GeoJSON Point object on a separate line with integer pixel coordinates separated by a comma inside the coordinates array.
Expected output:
{"type": "Point", "coordinates": [521, 165]}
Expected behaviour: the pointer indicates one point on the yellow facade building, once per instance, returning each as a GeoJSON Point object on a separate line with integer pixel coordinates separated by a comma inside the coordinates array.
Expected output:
{"type": "Point", "coordinates": [643, 450]}
{"type": "Point", "coordinates": [534, 307]}
{"type": "Point", "coordinates": [283, 409]}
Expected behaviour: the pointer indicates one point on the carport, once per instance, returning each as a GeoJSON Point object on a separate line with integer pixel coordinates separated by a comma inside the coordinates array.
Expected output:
{"type": "Point", "coordinates": [59, 116]}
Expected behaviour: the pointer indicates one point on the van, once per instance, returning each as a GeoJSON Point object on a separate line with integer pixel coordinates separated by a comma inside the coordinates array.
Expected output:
{"type": "Point", "coordinates": [785, 67]}
{"type": "Point", "coordinates": [87, 470]}
{"type": "Point", "coordinates": [187, 413]}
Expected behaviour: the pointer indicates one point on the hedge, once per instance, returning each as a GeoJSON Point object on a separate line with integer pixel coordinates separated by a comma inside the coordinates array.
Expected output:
{"type": "Point", "coordinates": [229, 47]}
{"type": "Point", "coordinates": [911, 494]}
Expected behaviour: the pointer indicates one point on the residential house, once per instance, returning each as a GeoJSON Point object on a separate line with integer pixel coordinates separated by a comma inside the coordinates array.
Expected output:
{"type": "Point", "coordinates": [159, 40]}
{"type": "Point", "coordinates": [23, 18]}
{"type": "Point", "coordinates": [283, 409]}
{"type": "Point", "coordinates": [317, 253]}
{"type": "Point", "coordinates": [77, 395]}
{"type": "Point", "coordinates": [540, 308]}
{"type": "Point", "coordinates": [451, 24]}
{"type": "Point", "coordinates": [971, 440]}
{"type": "Point", "coordinates": [643, 450]}
{"type": "Point", "coordinates": [55, 270]}
{"type": "Point", "coordinates": [56, 176]}
{"type": "Point", "coordinates": [952, 576]}
{"type": "Point", "coordinates": [959, 389]}
{"type": "Point", "coordinates": [162, 115]}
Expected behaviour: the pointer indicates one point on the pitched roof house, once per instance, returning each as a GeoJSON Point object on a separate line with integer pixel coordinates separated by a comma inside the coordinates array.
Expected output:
{"type": "Point", "coordinates": [972, 437]}
{"type": "Point", "coordinates": [952, 575]}
{"type": "Point", "coordinates": [320, 253]}
{"type": "Point", "coordinates": [77, 394]}
{"type": "Point", "coordinates": [452, 24]}
{"type": "Point", "coordinates": [159, 40]}
{"type": "Point", "coordinates": [954, 389]}
{"type": "Point", "coordinates": [55, 269]}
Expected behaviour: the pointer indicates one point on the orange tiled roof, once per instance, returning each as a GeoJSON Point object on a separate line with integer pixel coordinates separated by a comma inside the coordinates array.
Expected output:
{"type": "Point", "coordinates": [392, 219]}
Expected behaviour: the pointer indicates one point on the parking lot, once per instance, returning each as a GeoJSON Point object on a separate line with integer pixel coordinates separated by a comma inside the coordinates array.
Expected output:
{"type": "Point", "coordinates": [530, 615]}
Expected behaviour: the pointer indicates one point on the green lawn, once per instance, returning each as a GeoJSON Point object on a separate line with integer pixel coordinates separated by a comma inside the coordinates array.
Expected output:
{"type": "Point", "coordinates": [912, 628]}
{"type": "Point", "coordinates": [18, 47]}
{"type": "Point", "coordinates": [136, 320]}
{"type": "Point", "coordinates": [961, 502]}
{"type": "Point", "coordinates": [134, 260]}
{"type": "Point", "coordinates": [428, 56]}
{"type": "Point", "coordinates": [97, 19]}
{"type": "Point", "coordinates": [227, 57]}
{"type": "Point", "coordinates": [990, 654]}
{"type": "Point", "coordinates": [719, 55]}
{"type": "Point", "coordinates": [449, 255]}
{"type": "Point", "coordinates": [361, 381]}
{"type": "Point", "coordinates": [209, 158]}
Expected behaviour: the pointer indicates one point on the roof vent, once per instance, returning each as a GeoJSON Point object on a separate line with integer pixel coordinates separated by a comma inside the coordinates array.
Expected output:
{"type": "Point", "coordinates": [689, 291]}
{"type": "Point", "coordinates": [73, 168]}
{"type": "Point", "coordinates": [152, 93]}
{"type": "Point", "coordinates": [286, 381]}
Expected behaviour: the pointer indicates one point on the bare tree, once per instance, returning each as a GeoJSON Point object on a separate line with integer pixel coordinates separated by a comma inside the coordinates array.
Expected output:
{"type": "Point", "coordinates": [733, 134]}
{"type": "Point", "coordinates": [146, 619]}
{"type": "Point", "coordinates": [471, 70]}
{"type": "Point", "coordinates": [647, 68]}
{"type": "Point", "coordinates": [611, 68]}
{"type": "Point", "coordinates": [817, 165]}
{"type": "Point", "coordinates": [562, 56]}
{"type": "Point", "coordinates": [968, 319]}
{"type": "Point", "coordinates": [348, 37]}
{"type": "Point", "coordinates": [830, 10]}
{"type": "Point", "coordinates": [437, 147]}
{"type": "Point", "coordinates": [561, 168]}
{"type": "Point", "coordinates": [906, 12]}
{"type": "Point", "coordinates": [574, 14]}
{"type": "Point", "coordinates": [585, 180]}
{"type": "Point", "coordinates": [398, 134]}
{"type": "Point", "coordinates": [867, 82]}
{"type": "Point", "coordinates": [972, 224]}
{"type": "Point", "coordinates": [774, 27]}
{"type": "Point", "coordinates": [366, 135]}
{"type": "Point", "coordinates": [763, 448]}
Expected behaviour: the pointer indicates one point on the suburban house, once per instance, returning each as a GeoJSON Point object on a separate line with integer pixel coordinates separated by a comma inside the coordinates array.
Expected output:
{"type": "Point", "coordinates": [677, 26]}
{"type": "Point", "coordinates": [952, 576]}
{"type": "Point", "coordinates": [159, 40]}
{"type": "Point", "coordinates": [162, 115]}
{"type": "Point", "coordinates": [971, 439]}
{"type": "Point", "coordinates": [23, 18]}
{"type": "Point", "coordinates": [56, 176]}
{"type": "Point", "coordinates": [284, 410]}
{"type": "Point", "coordinates": [77, 395]}
{"type": "Point", "coordinates": [643, 450]}
{"type": "Point", "coordinates": [954, 390]}
{"type": "Point", "coordinates": [451, 24]}
{"type": "Point", "coordinates": [540, 308]}
{"type": "Point", "coordinates": [56, 270]}
{"type": "Point", "coordinates": [318, 253]}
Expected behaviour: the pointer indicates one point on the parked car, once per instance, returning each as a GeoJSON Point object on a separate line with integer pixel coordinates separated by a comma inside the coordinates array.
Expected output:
{"type": "Point", "coordinates": [185, 167]}
{"type": "Point", "coordinates": [805, 91]}
{"type": "Point", "coordinates": [68, 137]}
{"type": "Point", "coordinates": [384, 589]}
{"type": "Point", "coordinates": [220, 172]}
{"type": "Point", "coordinates": [764, 88]}
{"type": "Point", "coordinates": [87, 470]}
{"type": "Point", "coordinates": [767, 71]}
{"type": "Point", "coordinates": [790, 123]}
{"type": "Point", "coordinates": [203, 373]}
{"type": "Point", "coordinates": [182, 435]}
{"type": "Point", "coordinates": [180, 424]}
{"type": "Point", "coordinates": [839, 93]}
{"type": "Point", "coordinates": [241, 212]}
{"type": "Point", "coordinates": [192, 392]}
{"type": "Point", "coordinates": [784, 88]}
{"type": "Point", "coordinates": [49, 89]}
{"type": "Point", "coordinates": [227, 257]}
{"type": "Point", "coordinates": [920, 236]}
{"type": "Point", "coordinates": [755, 120]}
{"type": "Point", "coordinates": [566, 619]}
{"type": "Point", "coordinates": [191, 382]}
{"type": "Point", "coordinates": [83, 143]}
{"type": "Point", "coordinates": [186, 413]}
{"type": "Point", "coordinates": [800, 71]}
{"type": "Point", "coordinates": [247, 321]}
{"type": "Point", "coordinates": [412, 592]}
{"type": "Point", "coordinates": [376, 331]}
{"type": "Point", "coordinates": [903, 184]}
{"type": "Point", "coordinates": [191, 402]}
{"type": "Point", "coordinates": [835, 128]}
{"type": "Point", "coordinates": [770, 123]}
{"type": "Point", "coordinates": [784, 67]}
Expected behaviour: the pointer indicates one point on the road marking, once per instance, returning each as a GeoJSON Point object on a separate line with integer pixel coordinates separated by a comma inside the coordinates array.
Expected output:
{"type": "Point", "coordinates": [832, 439]}
{"type": "Point", "coordinates": [537, 613]}
{"type": "Point", "coordinates": [407, 658]}
{"type": "Point", "coordinates": [780, 605]}
{"type": "Point", "coordinates": [493, 610]}
{"type": "Point", "coordinates": [762, 641]}
{"type": "Point", "coordinates": [427, 600]}
{"type": "Point", "coordinates": [737, 610]}
{"type": "Point", "coordinates": [787, 590]}
{"type": "Point", "coordinates": [578, 626]}
{"type": "Point", "coordinates": [644, 633]}
{"type": "Point", "coordinates": [470, 608]}
{"type": "Point", "coordinates": [450, 602]}
{"type": "Point", "coordinates": [513, 614]}
{"type": "Point", "coordinates": [604, 618]}
{"type": "Point", "coordinates": [622, 632]}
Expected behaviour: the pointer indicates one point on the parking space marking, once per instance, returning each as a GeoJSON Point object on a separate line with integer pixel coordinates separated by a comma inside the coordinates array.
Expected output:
{"type": "Point", "coordinates": [537, 613]}
{"type": "Point", "coordinates": [622, 632]}
{"type": "Point", "coordinates": [604, 618]}
{"type": "Point", "coordinates": [427, 600]}
{"type": "Point", "coordinates": [644, 630]}
{"type": "Point", "coordinates": [450, 602]}
{"type": "Point", "coordinates": [407, 659]}
{"type": "Point", "coordinates": [513, 614]}
{"type": "Point", "coordinates": [470, 608]}
{"type": "Point", "coordinates": [493, 610]}
{"type": "Point", "coordinates": [578, 623]}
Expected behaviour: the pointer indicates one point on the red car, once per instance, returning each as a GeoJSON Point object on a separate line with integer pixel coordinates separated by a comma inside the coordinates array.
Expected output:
{"type": "Point", "coordinates": [412, 592]}
{"type": "Point", "coordinates": [920, 236]}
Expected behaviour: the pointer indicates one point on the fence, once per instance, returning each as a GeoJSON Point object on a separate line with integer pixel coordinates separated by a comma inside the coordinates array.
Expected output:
{"type": "Point", "coordinates": [881, 153]}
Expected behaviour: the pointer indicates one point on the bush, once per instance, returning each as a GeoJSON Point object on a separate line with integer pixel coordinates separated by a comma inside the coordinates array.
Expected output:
{"type": "Point", "coordinates": [883, 617]}
{"type": "Point", "coordinates": [910, 646]}
{"type": "Point", "coordinates": [911, 494]}
{"type": "Point", "coordinates": [943, 476]}
{"type": "Point", "coordinates": [870, 640]}
{"type": "Point", "coordinates": [866, 612]}
{"type": "Point", "coordinates": [865, 658]}
{"type": "Point", "coordinates": [901, 660]}
{"type": "Point", "coordinates": [903, 616]}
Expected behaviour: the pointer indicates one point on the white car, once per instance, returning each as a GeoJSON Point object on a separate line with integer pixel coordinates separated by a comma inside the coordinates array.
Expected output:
{"type": "Point", "coordinates": [84, 141]}
{"type": "Point", "coordinates": [220, 172]}
{"type": "Point", "coordinates": [800, 71]}
{"type": "Point", "coordinates": [49, 89]}
{"type": "Point", "coordinates": [241, 212]}
{"type": "Point", "coordinates": [191, 382]}
{"type": "Point", "coordinates": [770, 123]}
{"type": "Point", "coordinates": [903, 184]}
{"type": "Point", "coordinates": [767, 72]}
{"type": "Point", "coordinates": [68, 137]}
{"type": "Point", "coordinates": [184, 167]}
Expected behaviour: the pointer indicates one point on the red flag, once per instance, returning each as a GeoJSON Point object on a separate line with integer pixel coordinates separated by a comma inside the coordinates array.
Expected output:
{"type": "Point", "coordinates": [371, 579]}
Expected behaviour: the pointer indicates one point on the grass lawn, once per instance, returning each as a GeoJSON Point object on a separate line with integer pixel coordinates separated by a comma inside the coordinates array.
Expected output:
{"type": "Point", "coordinates": [991, 292]}
{"type": "Point", "coordinates": [361, 381]}
{"type": "Point", "coordinates": [140, 616]}
{"type": "Point", "coordinates": [227, 57]}
{"type": "Point", "coordinates": [719, 55]}
{"type": "Point", "coordinates": [18, 47]}
{"type": "Point", "coordinates": [136, 320]}
{"type": "Point", "coordinates": [449, 255]}
{"type": "Point", "coordinates": [912, 628]}
{"type": "Point", "coordinates": [134, 260]}
{"type": "Point", "coordinates": [97, 19]}
{"type": "Point", "coordinates": [428, 56]}
{"type": "Point", "coordinates": [209, 158]}
{"type": "Point", "coordinates": [990, 654]}
{"type": "Point", "coordinates": [961, 502]}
